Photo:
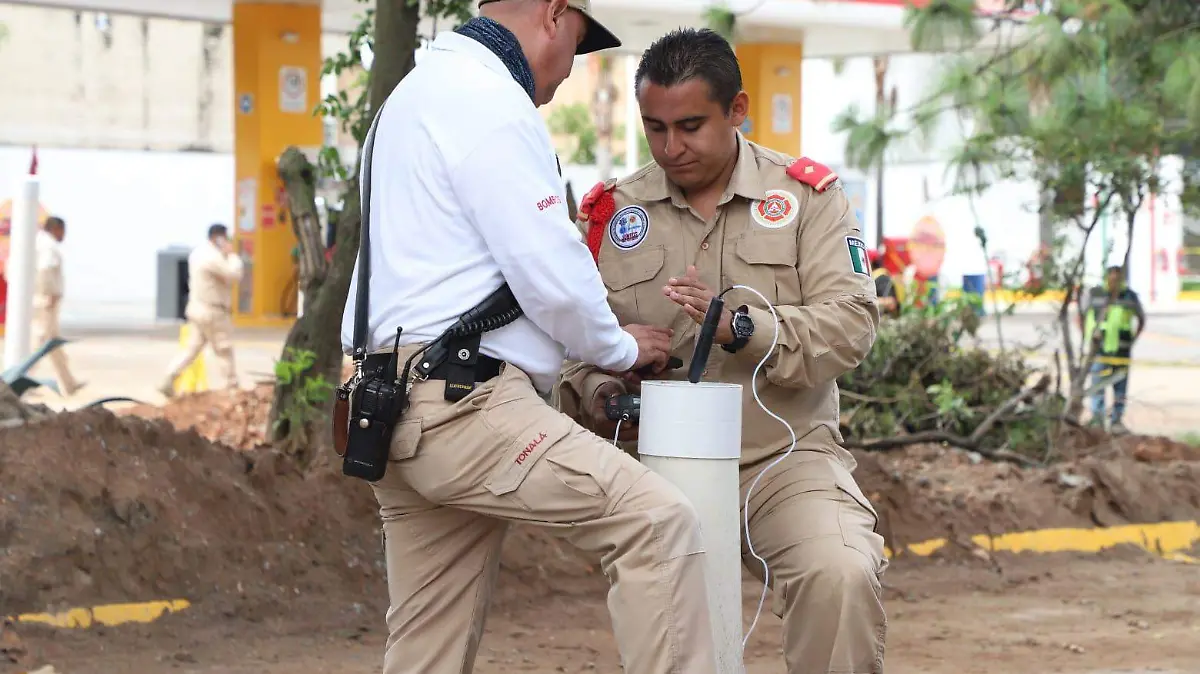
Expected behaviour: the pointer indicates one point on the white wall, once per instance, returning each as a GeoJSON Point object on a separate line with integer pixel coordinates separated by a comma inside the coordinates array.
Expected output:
{"type": "Point", "coordinates": [121, 208]}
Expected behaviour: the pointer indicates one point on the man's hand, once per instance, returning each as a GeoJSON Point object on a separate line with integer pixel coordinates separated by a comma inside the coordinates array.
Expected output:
{"type": "Point", "coordinates": [601, 424]}
{"type": "Point", "coordinates": [694, 297]}
{"type": "Point", "coordinates": [654, 346]}
{"type": "Point", "coordinates": [224, 245]}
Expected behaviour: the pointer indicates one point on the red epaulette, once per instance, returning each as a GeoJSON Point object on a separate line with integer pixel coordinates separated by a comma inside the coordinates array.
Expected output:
{"type": "Point", "coordinates": [817, 176]}
{"type": "Point", "coordinates": [597, 208]}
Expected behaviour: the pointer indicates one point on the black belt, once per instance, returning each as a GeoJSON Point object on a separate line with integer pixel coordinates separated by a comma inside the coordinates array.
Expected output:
{"type": "Point", "coordinates": [486, 368]}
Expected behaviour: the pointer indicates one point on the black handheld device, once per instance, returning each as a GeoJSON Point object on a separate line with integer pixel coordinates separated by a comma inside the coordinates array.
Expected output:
{"type": "Point", "coordinates": [704, 341]}
{"type": "Point", "coordinates": [625, 407]}
{"type": "Point", "coordinates": [628, 406]}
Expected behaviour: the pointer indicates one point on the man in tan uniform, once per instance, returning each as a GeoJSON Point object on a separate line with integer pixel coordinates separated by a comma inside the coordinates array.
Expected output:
{"type": "Point", "coordinates": [460, 205]}
{"type": "Point", "coordinates": [213, 268]}
{"type": "Point", "coordinates": [47, 299]}
{"type": "Point", "coordinates": [714, 211]}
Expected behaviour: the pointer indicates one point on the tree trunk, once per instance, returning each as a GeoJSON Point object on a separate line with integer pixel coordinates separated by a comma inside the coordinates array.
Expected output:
{"type": "Point", "coordinates": [880, 65]}
{"type": "Point", "coordinates": [300, 182]}
{"type": "Point", "coordinates": [602, 115]}
{"type": "Point", "coordinates": [318, 329]}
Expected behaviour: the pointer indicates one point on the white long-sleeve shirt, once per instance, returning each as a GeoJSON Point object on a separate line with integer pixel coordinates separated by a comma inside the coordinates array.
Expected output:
{"type": "Point", "coordinates": [467, 196]}
{"type": "Point", "coordinates": [48, 282]}
{"type": "Point", "coordinates": [211, 277]}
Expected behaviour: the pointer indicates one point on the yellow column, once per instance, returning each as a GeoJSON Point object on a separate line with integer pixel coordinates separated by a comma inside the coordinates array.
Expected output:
{"type": "Point", "coordinates": [771, 76]}
{"type": "Point", "coordinates": [277, 72]}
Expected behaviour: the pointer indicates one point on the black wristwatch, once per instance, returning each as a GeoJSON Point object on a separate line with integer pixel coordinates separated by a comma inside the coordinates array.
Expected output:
{"type": "Point", "coordinates": [742, 327]}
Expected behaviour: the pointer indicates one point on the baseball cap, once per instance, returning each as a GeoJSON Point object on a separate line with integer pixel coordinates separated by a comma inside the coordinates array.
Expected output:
{"type": "Point", "coordinates": [598, 37]}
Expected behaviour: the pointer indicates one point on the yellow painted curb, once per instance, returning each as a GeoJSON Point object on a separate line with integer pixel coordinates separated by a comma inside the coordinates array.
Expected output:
{"type": "Point", "coordinates": [108, 615]}
{"type": "Point", "coordinates": [1169, 540]}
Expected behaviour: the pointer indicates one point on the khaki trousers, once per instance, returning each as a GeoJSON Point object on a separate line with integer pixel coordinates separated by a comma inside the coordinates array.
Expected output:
{"type": "Point", "coordinates": [460, 472]}
{"type": "Point", "coordinates": [215, 331]}
{"type": "Point", "coordinates": [816, 530]}
{"type": "Point", "coordinates": [46, 327]}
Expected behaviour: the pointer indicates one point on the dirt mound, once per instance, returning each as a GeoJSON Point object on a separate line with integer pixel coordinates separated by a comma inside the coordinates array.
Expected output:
{"type": "Point", "coordinates": [237, 419]}
{"type": "Point", "coordinates": [929, 492]}
{"type": "Point", "coordinates": [98, 508]}
{"type": "Point", "coordinates": [102, 508]}
{"type": "Point", "coordinates": [1145, 448]}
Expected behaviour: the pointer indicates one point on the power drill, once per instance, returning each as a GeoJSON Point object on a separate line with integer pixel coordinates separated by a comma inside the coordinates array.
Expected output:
{"type": "Point", "coordinates": [627, 407]}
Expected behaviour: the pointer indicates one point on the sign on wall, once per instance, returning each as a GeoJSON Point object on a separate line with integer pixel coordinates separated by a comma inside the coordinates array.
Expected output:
{"type": "Point", "coordinates": [247, 196]}
{"type": "Point", "coordinates": [781, 113]}
{"type": "Point", "coordinates": [293, 90]}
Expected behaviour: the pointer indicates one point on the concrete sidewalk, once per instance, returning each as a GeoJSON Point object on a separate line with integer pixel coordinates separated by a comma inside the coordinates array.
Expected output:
{"type": "Point", "coordinates": [132, 363]}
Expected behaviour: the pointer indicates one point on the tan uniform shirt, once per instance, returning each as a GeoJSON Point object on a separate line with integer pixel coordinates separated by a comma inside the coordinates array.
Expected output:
{"type": "Point", "coordinates": [48, 282]}
{"type": "Point", "coordinates": [211, 276]}
{"type": "Point", "coordinates": [798, 244]}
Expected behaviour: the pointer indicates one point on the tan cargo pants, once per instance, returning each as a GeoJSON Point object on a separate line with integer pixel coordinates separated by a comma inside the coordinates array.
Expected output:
{"type": "Point", "coordinates": [816, 530]}
{"type": "Point", "coordinates": [460, 472]}
{"type": "Point", "coordinates": [45, 328]}
{"type": "Point", "coordinates": [208, 330]}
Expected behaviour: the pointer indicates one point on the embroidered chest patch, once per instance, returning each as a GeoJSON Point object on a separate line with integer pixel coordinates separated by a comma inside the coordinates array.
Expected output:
{"type": "Point", "coordinates": [629, 227]}
{"type": "Point", "coordinates": [778, 210]}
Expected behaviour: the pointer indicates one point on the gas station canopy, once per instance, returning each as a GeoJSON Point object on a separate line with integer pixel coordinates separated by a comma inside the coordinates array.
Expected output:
{"type": "Point", "coordinates": [827, 28]}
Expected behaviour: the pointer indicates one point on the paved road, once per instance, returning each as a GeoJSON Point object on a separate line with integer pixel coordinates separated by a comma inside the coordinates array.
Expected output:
{"type": "Point", "coordinates": [1164, 382]}
{"type": "Point", "coordinates": [1170, 339]}
{"type": "Point", "coordinates": [132, 363]}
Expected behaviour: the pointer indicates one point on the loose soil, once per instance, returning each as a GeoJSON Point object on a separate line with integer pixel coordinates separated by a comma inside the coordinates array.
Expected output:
{"type": "Point", "coordinates": [98, 508]}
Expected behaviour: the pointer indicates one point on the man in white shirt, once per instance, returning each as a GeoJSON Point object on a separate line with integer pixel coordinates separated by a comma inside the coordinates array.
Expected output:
{"type": "Point", "coordinates": [465, 197]}
{"type": "Point", "coordinates": [213, 268]}
{"type": "Point", "coordinates": [47, 298]}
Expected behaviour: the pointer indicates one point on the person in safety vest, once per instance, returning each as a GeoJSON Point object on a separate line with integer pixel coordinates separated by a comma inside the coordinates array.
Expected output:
{"type": "Point", "coordinates": [1108, 313]}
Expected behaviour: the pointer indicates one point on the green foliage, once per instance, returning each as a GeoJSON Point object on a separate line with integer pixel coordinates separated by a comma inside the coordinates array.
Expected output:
{"type": "Point", "coordinates": [351, 112]}
{"type": "Point", "coordinates": [923, 375]}
{"type": "Point", "coordinates": [575, 120]}
{"type": "Point", "coordinates": [1083, 99]}
{"type": "Point", "coordinates": [721, 21]}
{"type": "Point", "coordinates": [312, 394]}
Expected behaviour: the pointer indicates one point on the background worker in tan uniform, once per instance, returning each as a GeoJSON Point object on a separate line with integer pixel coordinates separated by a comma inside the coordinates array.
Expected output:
{"type": "Point", "coordinates": [715, 210]}
{"type": "Point", "coordinates": [47, 299]}
{"type": "Point", "coordinates": [465, 198]}
{"type": "Point", "coordinates": [213, 268]}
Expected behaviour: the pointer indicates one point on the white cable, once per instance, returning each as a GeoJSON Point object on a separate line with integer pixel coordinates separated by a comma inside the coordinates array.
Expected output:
{"type": "Point", "coordinates": [791, 431]}
{"type": "Point", "coordinates": [617, 433]}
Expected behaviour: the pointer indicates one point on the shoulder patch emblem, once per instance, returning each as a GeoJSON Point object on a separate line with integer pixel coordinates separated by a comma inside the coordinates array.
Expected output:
{"type": "Point", "coordinates": [778, 210]}
{"type": "Point", "coordinates": [596, 208]}
{"type": "Point", "coordinates": [817, 176]}
{"type": "Point", "coordinates": [629, 227]}
{"type": "Point", "coordinates": [860, 262]}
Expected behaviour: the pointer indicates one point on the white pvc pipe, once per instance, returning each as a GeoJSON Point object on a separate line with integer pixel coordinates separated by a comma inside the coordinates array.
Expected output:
{"type": "Point", "coordinates": [21, 274]}
{"type": "Point", "coordinates": [691, 434]}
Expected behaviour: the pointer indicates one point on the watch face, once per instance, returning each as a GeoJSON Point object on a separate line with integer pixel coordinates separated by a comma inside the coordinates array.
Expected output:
{"type": "Point", "coordinates": [742, 326]}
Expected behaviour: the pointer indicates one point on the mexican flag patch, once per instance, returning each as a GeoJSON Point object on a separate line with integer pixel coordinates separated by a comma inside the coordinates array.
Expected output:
{"type": "Point", "coordinates": [858, 256]}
